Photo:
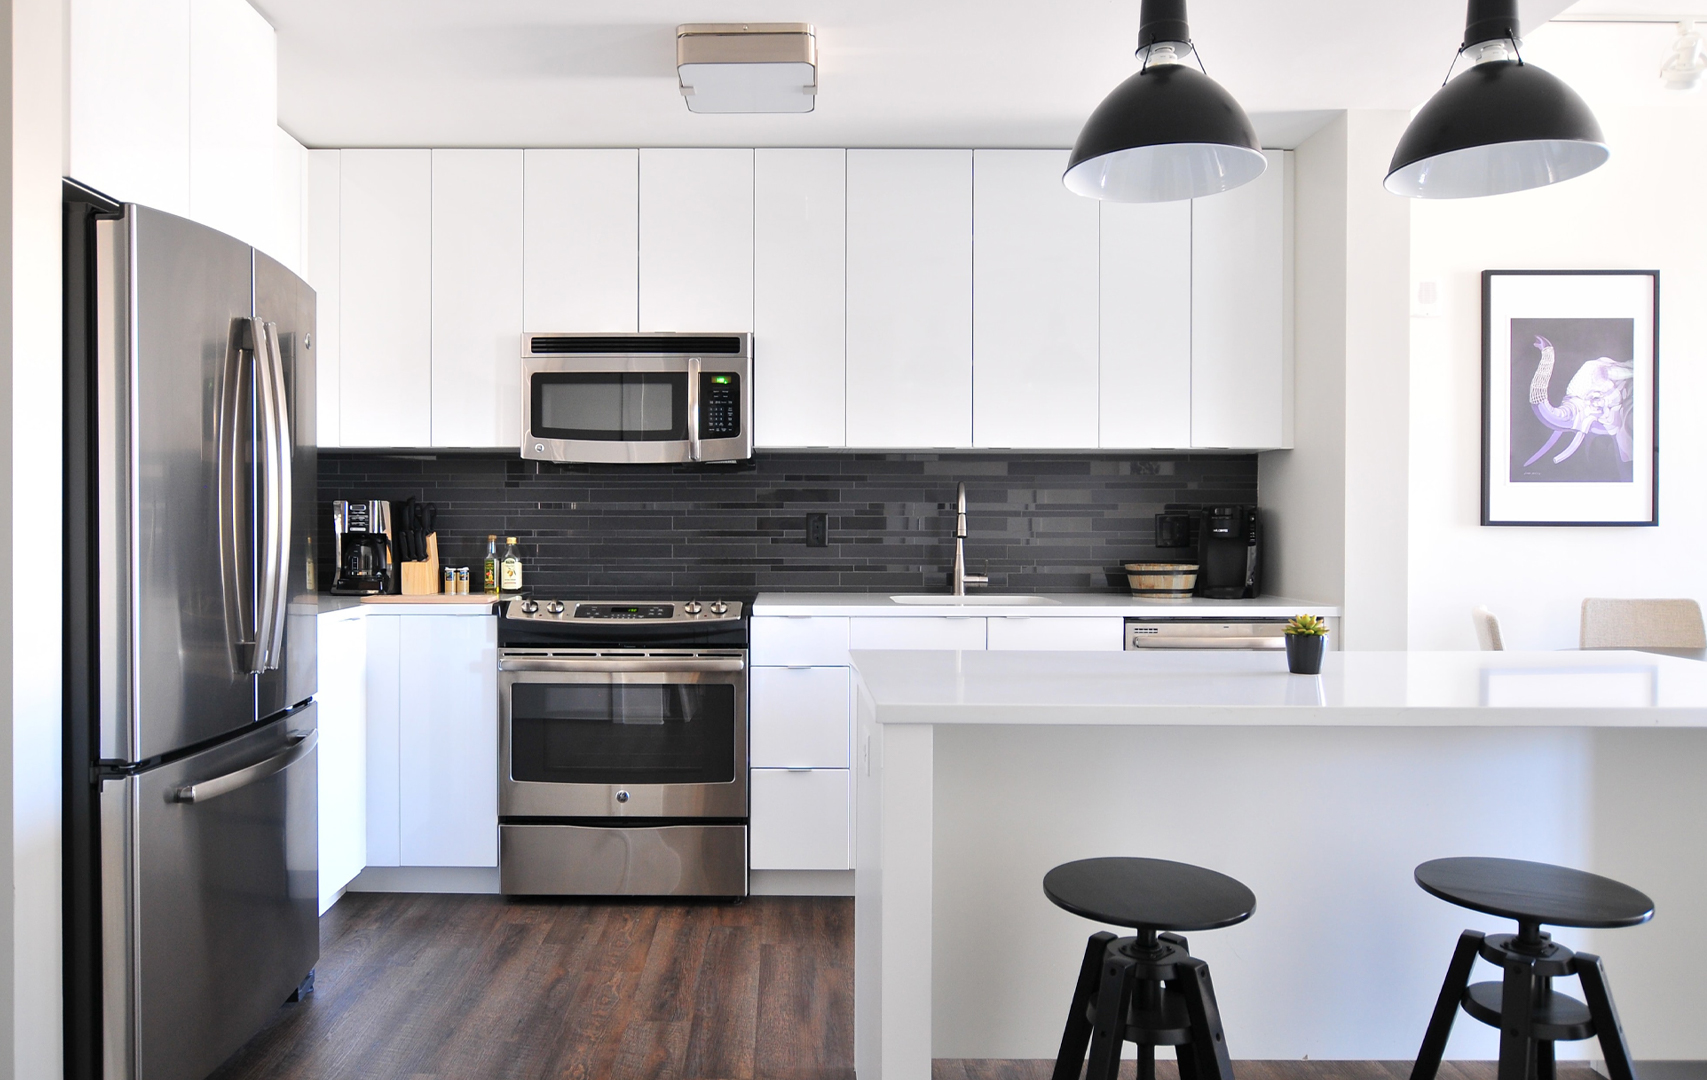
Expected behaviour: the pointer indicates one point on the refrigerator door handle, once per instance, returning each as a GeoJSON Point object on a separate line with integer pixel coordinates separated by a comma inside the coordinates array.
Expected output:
{"type": "Point", "coordinates": [275, 413]}
{"type": "Point", "coordinates": [236, 541]}
{"type": "Point", "coordinates": [241, 778]}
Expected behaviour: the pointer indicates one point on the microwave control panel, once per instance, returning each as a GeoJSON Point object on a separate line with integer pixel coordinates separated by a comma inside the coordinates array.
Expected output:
{"type": "Point", "coordinates": [720, 405]}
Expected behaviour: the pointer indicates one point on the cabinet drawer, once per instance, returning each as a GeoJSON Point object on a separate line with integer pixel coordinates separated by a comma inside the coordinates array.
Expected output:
{"type": "Point", "coordinates": [800, 820]}
{"type": "Point", "coordinates": [917, 632]}
{"type": "Point", "coordinates": [814, 640]}
{"type": "Point", "coordinates": [800, 717]}
{"type": "Point", "coordinates": [1106, 634]}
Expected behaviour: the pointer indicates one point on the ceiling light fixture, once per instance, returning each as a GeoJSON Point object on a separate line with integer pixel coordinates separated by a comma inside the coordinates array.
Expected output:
{"type": "Point", "coordinates": [747, 67]}
{"type": "Point", "coordinates": [1687, 61]}
{"type": "Point", "coordinates": [1503, 125]}
{"type": "Point", "coordinates": [1167, 132]}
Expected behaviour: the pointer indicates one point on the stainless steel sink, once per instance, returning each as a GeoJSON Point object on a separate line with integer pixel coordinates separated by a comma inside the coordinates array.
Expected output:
{"type": "Point", "coordinates": [981, 600]}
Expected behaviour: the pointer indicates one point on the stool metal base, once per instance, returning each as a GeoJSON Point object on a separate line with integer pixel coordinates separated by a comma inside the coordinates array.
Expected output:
{"type": "Point", "coordinates": [1148, 990]}
{"type": "Point", "coordinates": [1537, 1015]}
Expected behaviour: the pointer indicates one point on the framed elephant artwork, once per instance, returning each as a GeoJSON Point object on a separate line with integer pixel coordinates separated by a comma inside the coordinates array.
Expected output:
{"type": "Point", "coordinates": [1570, 377]}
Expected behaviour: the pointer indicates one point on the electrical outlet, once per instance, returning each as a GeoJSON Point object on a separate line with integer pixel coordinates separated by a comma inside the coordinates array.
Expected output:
{"type": "Point", "coordinates": [818, 530]}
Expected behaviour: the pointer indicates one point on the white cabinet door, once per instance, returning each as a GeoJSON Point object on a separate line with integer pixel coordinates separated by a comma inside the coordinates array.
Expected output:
{"type": "Point", "coordinates": [234, 116]}
{"type": "Point", "coordinates": [321, 256]}
{"type": "Point", "coordinates": [1070, 634]}
{"type": "Point", "coordinates": [582, 224]}
{"type": "Point", "coordinates": [343, 750]}
{"type": "Point", "coordinates": [290, 203]}
{"type": "Point", "coordinates": [909, 380]}
{"type": "Point", "coordinates": [448, 741]}
{"type": "Point", "coordinates": [696, 240]}
{"type": "Point", "coordinates": [916, 632]}
{"type": "Point", "coordinates": [800, 297]}
{"type": "Point", "coordinates": [1241, 313]}
{"type": "Point", "coordinates": [1146, 325]}
{"type": "Point", "coordinates": [129, 81]}
{"type": "Point", "coordinates": [1034, 303]}
{"type": "Point", "coordinates": [384, 653]}
{"type": "Point", "coordinates": [799, 718]}
{"type": "Point", "coordinates": [385, 306]}
{"type": "Point", "coordinates": [800, 820]}
{"type": "Point", "coordinates": [477, 298]}
{"type": "Point", "coordinates": [800, 641]}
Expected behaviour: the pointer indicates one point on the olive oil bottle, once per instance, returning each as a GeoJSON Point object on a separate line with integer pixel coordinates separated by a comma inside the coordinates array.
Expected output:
{"type": "Point", "coordinates": [491, 568]}
{"type": "Point", "coordinates": [511, 569]}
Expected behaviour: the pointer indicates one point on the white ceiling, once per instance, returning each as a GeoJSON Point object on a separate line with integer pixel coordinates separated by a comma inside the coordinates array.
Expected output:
{"type": "Point", "coordinates": [892, 72]}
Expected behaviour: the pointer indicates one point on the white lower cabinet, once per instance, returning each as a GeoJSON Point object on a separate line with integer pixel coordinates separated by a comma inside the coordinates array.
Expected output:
{"type": "Point", "coordinates": [432, 740]}
{"type": "Point", "coordinates": [917, 632]}
{"type": "Point", "coordinates": [801, 819]}
{"type": "Point", "coordinates": [799, 717]}
{"type": "Point", "coordinates": [343, 750]}
{"type": "Point", "coordinates": [1092, 634]}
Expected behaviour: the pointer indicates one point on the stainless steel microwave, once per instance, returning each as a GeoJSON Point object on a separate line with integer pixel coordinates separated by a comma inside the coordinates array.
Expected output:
{"type": "Point", "coordinates": [641, 398]}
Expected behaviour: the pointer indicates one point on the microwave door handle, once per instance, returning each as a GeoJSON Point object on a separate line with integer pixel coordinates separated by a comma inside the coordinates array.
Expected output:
{"type": "Point", "coordinates": [277, 579]}
{"type": "Point", "coordinates": [236, 541]}
{"type": "Point", "coordinates": [693, 408]}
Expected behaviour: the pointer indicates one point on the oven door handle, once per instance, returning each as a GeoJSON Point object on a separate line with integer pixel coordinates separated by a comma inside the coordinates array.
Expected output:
{"type": "Point", "coordinates": [666, 665]}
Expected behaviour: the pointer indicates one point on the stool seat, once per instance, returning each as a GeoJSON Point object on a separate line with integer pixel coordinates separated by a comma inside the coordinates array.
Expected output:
{"type": "Point", "coordinates": [1532, 892]}
{"type": "Point", "coordinates": [1149, 894]}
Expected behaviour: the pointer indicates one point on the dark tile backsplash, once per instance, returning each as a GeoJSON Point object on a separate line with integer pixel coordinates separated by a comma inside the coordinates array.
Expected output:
{"type": "Point", "coordinates": [1037, 522]}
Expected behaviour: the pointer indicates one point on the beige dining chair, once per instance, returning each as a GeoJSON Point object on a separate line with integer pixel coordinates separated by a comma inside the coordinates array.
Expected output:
{"type": "Point", "coordinates": [1638, 624]}
{"type": "Point", "coordinates": [1487, 630]}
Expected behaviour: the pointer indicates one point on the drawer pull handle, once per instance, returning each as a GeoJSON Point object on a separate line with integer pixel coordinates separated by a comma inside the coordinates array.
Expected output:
{"type": "Point", "coordinates": [797, 768]}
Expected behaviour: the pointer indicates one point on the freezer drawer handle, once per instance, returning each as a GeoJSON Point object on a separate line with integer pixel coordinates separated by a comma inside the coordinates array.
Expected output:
{"type": "Point", "coordinates": [231, 781]}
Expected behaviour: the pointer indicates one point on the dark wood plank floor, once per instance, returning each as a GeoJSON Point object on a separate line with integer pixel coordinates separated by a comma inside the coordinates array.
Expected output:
{"type": "Point", "coordinates": [413, 987]}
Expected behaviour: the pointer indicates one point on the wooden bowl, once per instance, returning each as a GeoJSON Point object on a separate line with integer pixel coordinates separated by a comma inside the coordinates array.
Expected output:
{"type": "Point", "coordinates": [1162, 581]}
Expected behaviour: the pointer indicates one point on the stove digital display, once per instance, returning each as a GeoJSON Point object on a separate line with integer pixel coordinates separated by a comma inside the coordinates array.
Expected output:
{"type": "Point", "coordinates": [624, 611]}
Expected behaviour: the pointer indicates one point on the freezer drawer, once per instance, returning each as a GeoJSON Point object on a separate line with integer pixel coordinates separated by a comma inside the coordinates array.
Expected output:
{"type": "Point", "coordinates": [593, 860]}
{"type": "Point", "coordinates": [209, 875]}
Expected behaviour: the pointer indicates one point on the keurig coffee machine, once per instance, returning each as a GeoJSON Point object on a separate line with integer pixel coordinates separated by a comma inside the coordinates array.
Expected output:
{"type": "Point", "coordinates": [361, 537]}
{"type": "Point", "coordinates": [1229, 553]}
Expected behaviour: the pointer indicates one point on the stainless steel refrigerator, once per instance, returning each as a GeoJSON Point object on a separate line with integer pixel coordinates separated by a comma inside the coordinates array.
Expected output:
{"type": "Point", "coordinates": [191, 834]}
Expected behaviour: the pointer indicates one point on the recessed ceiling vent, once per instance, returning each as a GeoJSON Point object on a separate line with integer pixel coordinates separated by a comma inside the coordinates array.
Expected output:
{"type": "Point", "coordinates": [747, 67]}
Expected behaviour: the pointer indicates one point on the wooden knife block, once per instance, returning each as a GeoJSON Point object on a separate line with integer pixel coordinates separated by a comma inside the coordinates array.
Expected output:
{"type": "Point", "coordinates": [421, 578]}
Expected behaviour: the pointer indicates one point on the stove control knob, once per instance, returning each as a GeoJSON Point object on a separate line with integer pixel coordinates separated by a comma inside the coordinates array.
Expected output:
{"type": "Point", "coordinates": [529, 607]}
{"type": "Point", "coordinates": [555, 607]}
{"type": "Point", "coordinates": [691, 607]}
{"type": "Point", "coordinates": [718, 607]}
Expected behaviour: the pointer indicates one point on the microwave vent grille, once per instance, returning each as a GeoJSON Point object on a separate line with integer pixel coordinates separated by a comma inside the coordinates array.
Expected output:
{"type": "Point", "coordinates": [629, 345]}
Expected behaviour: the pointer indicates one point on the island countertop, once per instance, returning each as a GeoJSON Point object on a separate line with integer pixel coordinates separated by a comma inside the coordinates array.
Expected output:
{"type": "Point", "coordinates": [1235, 688]}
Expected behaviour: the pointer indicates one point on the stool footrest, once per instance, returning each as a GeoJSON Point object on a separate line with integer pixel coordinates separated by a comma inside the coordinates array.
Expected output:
{"type": "Point", "coordinates": [1555, 1016]}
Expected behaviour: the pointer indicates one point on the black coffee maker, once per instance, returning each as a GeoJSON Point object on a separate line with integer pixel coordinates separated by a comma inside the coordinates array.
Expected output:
{"type": "Point", "coordinates": [361, 538]}
{"type": "Point", "coordinates": [1229, 553]}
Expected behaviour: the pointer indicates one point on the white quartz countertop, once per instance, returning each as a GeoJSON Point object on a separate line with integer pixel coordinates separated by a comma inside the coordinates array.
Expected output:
{"type": "Point", "coordinates": [1042, 605]}
{"type": "Point", "coordinates": [1182, 687]}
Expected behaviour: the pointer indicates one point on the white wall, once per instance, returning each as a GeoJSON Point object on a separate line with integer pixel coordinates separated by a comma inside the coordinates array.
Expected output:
{"type": "Point", "coordinates": [32, 129]}
{"type": "Point", "coordinates": [1642, 210]}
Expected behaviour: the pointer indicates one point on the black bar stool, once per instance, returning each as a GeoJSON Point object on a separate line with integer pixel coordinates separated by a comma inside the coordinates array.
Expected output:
{"type": "Point", "coordinates": [1536, 895]}
{"type": "Point", "coordinates": [1146, 989]}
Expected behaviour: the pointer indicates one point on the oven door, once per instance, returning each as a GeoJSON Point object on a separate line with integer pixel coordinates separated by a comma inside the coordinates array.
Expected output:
{"type": "Point", "coordinates": [640, 409]}
{"type": "Point", "coordinates": [606, 735]}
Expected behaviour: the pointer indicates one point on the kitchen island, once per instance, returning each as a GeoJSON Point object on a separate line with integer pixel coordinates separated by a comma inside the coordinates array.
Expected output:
{"type": "Point", "coordinates": [980, 771]}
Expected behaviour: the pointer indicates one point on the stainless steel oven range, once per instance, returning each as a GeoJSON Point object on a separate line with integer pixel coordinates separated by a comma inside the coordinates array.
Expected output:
{"type": "Point", "coordinates": [623, 748]}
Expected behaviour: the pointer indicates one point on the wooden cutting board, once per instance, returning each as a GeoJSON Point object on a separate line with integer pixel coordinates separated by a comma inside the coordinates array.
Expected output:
{"type": "Point", "coordinates": [433, 598]}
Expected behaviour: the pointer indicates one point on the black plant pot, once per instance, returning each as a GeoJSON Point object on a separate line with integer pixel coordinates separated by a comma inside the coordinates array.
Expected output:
{"type": "Point", "coordinates": [1304, 653]}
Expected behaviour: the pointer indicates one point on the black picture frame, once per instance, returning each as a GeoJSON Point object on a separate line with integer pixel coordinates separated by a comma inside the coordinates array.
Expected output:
{"type": "Point", "coordinates": [1570, 398]}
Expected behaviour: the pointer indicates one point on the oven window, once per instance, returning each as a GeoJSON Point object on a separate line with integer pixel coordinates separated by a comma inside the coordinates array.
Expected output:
{"type": "Point", "coordinates": [602, 733]}
{"type": "Point", "coordinates": [648, 406]}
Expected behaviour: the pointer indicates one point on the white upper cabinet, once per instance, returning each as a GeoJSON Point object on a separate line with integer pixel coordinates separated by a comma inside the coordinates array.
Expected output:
{"type": "Point", "coordinates": [385, 312]}
{"type": "Point", "coordinates": [1034, 303]}
{"type": "Point", "coordinates": [130, 100]}
{"type": "Point", "coordinates": [1146, 325]}
{"type": "Point", "coordinates": [321, 271]}
{"type": "Point", "coordinates": [909, 336]}
{"type": "Point", "coordinates": [290, 201]}
{"type": "Point", "coordinates": [800, 297]}
{"type": "Point", "coordinates": [696, 241]}
{"type": "Point", "coordinates": [233, 121]}
{"type": "Point", "coordinates": [1241, 313]}
{"type": "Point", "coordinates": [477, 291]}
{"type": "Point", "coordinates": [582, 229]}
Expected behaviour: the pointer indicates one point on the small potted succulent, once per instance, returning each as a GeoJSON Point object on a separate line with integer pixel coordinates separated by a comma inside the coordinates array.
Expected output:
{"type": "Point", "coordinates": [1306, 640]}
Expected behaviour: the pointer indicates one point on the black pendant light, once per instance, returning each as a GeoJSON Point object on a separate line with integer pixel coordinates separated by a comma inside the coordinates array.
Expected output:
{"type": "Point", "coordinates": [1503, 125]}
{"type": "Point", "coordinates": [1170, 131]}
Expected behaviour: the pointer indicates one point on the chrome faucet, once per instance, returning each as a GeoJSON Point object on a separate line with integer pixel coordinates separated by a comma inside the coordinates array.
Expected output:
{"type": "Point", "coordinates": [961, 577]}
